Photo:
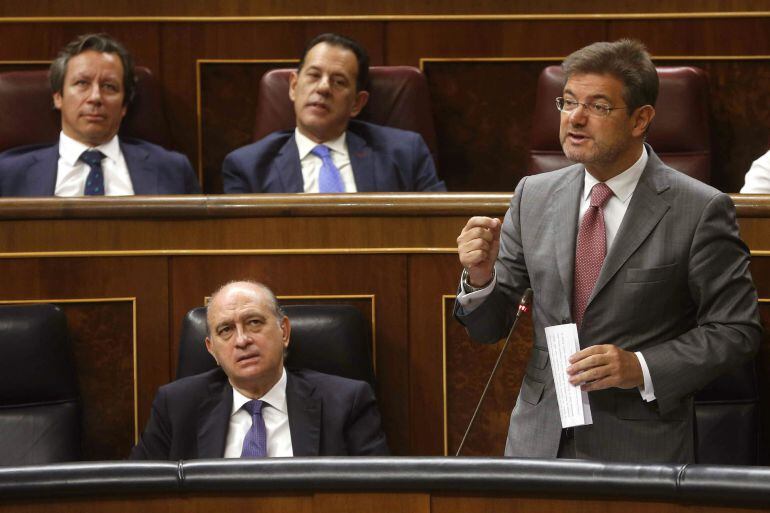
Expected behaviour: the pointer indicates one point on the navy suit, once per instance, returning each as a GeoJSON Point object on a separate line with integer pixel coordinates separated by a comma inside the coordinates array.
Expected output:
{"type": "Point", "coordinates": [328, 416]}
{"type": "Point", "coordinates": [31, 170]}
{"type": "Point", "coordinates": [383, 160]}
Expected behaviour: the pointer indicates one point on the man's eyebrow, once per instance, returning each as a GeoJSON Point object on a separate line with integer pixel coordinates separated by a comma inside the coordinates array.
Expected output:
{"type": "Point", "coordinates": [599, 96]}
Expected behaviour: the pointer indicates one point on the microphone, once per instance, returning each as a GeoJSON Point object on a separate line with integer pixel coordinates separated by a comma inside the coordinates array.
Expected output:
{"type": "Point", "coordinates": [523, 308]}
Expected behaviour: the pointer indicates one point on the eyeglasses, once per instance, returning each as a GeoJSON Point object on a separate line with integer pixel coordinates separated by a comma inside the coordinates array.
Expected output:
{"type": "Point", "coordinates": [595, 109]}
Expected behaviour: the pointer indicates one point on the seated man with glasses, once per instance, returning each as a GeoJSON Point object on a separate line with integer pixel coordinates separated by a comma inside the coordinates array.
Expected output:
{"type": "Point", "coordinates": [644, 260]}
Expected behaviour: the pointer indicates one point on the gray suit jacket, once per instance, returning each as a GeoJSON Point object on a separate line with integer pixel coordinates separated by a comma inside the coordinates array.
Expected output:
{"type": "Point", "coordinates": [675, 285]}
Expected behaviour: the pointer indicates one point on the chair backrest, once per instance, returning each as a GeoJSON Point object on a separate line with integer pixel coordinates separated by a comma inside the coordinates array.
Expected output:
{"type": "Point", "coordinates": [727, 419]}
{"type": "Point", "coordinates": [39, 413]}
{"type": "Point", "coordinates": [334, 339]}
{"type": "Point", "coordinates": [30, 118]}
{"type": "Point", "coordinates": [679, 133]}
{"type": "Point", "coordinates": [398, 98]}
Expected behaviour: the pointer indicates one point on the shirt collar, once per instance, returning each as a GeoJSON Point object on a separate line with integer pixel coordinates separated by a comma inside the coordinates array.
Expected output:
{"type": "Point", "coordinates": [275, 397]}
{"type": "Point", "coordinates": [70, 149]}
{"type": "Point", "coordinates": [622, 185]}
{"type": "Point", "coordinates": [306, 145]}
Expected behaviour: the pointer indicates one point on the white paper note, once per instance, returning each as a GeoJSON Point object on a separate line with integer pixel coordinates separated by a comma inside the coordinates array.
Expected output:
{"type": "Point", "coordinates": [574, 408]}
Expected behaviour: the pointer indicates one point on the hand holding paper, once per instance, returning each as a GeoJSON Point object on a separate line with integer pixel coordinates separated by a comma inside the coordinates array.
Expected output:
{"type": "Point", "coordinates": [574, 408]}
{"type": "Point", "coordinates": [604, 366]}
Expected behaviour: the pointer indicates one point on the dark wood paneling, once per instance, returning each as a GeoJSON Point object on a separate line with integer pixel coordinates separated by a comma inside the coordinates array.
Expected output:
{"type": "Point", "coordinates": [228, 106]}
{"type": "Point", "coordinates": [103, 335]}
{"type": "Point", "coordinates": [483, 113]}
{"type": "Point", "coordinates": [431, 278]}
{"type": "Point", "coordinates": [360, 7]}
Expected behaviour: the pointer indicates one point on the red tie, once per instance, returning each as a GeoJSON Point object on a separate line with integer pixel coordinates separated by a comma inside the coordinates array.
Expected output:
{"type": "Point", "coordinates": [590, 251]}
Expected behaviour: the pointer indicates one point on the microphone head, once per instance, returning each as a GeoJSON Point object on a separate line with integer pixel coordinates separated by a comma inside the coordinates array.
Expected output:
{"type": "Point", "coordinates": [525, 302]}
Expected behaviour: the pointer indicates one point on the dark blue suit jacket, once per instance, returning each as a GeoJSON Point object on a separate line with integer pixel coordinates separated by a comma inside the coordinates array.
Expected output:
{"type": "Point", "coordinates": [31, 170]}
{"type": "Point", "coordinates": [328, 416]}
{"type": "Point", "coordinates": [383, 159]}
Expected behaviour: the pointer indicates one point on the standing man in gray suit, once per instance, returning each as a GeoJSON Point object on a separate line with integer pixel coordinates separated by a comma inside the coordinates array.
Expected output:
{"type": "Point", "coordinates": [645, 260]}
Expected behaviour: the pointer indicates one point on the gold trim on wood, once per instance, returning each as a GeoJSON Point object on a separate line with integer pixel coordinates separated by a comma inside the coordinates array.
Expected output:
{"type": "Point", "coordinates": [444, 299]}
{"type": "Point", "coordinates": [8, 63]}
{"type": "Point", "coordinates": [391, 17]}
{"type": "Point", "coordinates": [132, 300]}
{"type": "Point", "coordinates": [424, 60]}
{"type": "Point", "coordinates": [225, 252]}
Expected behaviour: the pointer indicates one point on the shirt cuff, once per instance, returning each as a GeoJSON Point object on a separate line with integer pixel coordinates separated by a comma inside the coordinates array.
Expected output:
{"type": "Point", "coordinates": [648, 392]}
{"type": "Point", "coordinates": [469, 301]}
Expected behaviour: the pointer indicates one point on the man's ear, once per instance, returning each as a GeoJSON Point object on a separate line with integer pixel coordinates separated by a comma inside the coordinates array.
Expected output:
{"type": "Point", "coordinates": [285, 331]}
{"type": "Point", "coordinates": [57, 100]}
{"type": "Point", "coordinates": [209, 348]}
{"type": "Point", "coordinates": [361, 98]}
{"type": "Point", "coordinates": [292, 85]}
{"type": "Point", "coordinates": [642, 120]}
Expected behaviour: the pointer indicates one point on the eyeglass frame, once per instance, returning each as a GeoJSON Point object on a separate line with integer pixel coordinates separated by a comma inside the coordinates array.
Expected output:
{"type": "Point", "coordinates": [590, 107]}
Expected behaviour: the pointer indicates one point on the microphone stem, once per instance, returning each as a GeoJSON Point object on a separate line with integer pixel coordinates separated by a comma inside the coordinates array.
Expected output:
{"type": "Point", "coordinates": [489, 381]}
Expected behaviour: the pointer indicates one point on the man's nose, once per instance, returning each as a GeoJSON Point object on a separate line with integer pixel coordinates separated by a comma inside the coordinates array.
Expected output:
{"type": "Point", "coordinates": [95, 93]}
{"type": "Point", "coordinates": [579, 115]}
{"type": "Point", "coordinates": [324, 84]}
{"type": "Point", "coordinates": [242, 337]}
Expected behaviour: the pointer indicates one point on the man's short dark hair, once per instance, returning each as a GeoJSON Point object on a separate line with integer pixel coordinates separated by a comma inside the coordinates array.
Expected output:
{"type": "Point", "coordinates": [102, 43]}
{"type": "Point", "coordinates": [625, 59]}
{"type": "Point", "coordinates": [345, 42]}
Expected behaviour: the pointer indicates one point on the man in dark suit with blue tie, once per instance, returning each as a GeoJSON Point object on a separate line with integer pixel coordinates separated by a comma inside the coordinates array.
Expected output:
{"type": "Point", "coordinates": [93, 82]}
{"type": "Point", "coordinates": [328, 151]}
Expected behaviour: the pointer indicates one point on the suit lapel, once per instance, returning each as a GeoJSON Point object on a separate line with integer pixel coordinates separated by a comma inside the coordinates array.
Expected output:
{"type": "Point", "coordinates": [144, 179]}
{"type": "Point", "coordinates": [645, 211]}
{"type": "Point", "coordinates": [565, 210]}
{"type": "Point", "coordinates": [363, 163]}
{"type": "Point", "coordinates": [214, 415]}
{"type": "Point", "coordinates": [41, 175]}
{"type": "Point", "coordinates": [286, 169]}
{"type": "Point", "coordinates": [304, 416]}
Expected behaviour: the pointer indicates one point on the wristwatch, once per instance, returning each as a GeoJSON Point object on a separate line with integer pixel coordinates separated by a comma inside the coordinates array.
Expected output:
{"type": "Point", "coordinates": [467, 284]}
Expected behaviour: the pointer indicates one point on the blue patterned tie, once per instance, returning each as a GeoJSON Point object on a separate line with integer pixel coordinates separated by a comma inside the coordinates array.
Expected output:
{"type": "Point", "coordinates": [255, 442]}
{"type": "Point", "coordinates": [95, 178]}
{"type": "Point", "coordinates": [330, 179]}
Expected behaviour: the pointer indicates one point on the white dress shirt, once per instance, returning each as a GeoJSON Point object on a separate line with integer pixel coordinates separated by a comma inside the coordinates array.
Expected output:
{"type": "Point", "coordinates": [623, 186]}
{"type": "Point", "coordinates": [758, 177]}
{"type": "Point", "coordinates": [276, 417]}
{"type": "Point", "coordinates": [311, 164]}
{"type": "Point", "coordinates": [71, 173]}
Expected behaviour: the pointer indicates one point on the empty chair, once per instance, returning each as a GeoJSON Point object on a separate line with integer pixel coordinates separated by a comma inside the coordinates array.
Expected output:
{"type": "Point", "coordinates": [334, 339]}
{"type": "Point", "coordinates": [30, 118]}
{"type": "Point", "coordinates": [679, 133]}
{"type": "Point", "coordinates": [39, 412]}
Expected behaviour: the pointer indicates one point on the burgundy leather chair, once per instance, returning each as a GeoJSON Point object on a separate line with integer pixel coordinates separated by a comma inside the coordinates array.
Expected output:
{"type": "Point", "coordinates": [398, 97]}
{"type": "Point", "coordinates": [679, 134]}
{"type": "Point", "coordinates": [30, 118]}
